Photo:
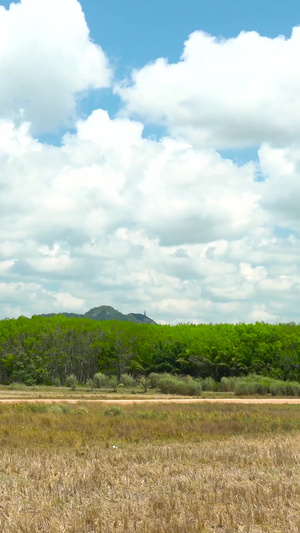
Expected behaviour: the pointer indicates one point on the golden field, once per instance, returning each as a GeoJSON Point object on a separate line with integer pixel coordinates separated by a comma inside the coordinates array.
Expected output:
{"type": "Point", "coordinates": [155, 469]}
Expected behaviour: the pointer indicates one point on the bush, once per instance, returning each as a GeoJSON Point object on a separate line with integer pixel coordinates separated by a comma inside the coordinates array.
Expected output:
{"type": "Point", "coordinates": [186, 387]}
{"type": "Point", "coordinates": [261, 388]}
{"type": "Point", "coordinates": [244, 388]}
{"type": "Point", "coordinates": [251, 385]}
{"type": "Point", "coordinates": [144, 383]}
{"type": "Point", "coordinates": [228, 384]}
{"type": "Point", "coordinates": [154, 379]}
{"type": "Point", "coordinates": [90, 383]}
{"type": "Point", "coordinates": [192, 388]}
{"type": "Point", "coordinates": [292, 389]}
{"type": "Point", "coordinates": [16, 385]}
{"type": "Point", "coordinates": [145, 414]}
{"type": "Point", "coordinates": [167, 385]}
{"type": "Point", "coordinates": [100, 380]}
{"type": "Point", "coordinates": [128, 380]}
{"type": "Point", "coordinates": [114, 411]}
{"type": "Point", "coordinates": [277, 388]}
{"type": "Point", "coordinates": [56, 382]}
{"type": "Point", "coordinates": [57, 408]}
{"type": "Point", "coordinates": [113, 383]}
{"type": "Point", "coordinates": [209, 384]}
{"type": "Point", "coordinates": [71, 381]}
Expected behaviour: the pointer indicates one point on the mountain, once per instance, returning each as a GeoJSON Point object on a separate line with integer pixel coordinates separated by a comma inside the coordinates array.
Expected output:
{"type": "Point", "coordinates": [106, 312]}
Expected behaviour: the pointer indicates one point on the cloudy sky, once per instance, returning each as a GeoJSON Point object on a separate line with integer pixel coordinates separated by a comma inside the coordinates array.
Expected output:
{"type": "Point", "coordinates": [150, 158]}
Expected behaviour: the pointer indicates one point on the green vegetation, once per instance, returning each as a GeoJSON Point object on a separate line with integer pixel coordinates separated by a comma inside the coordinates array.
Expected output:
{"type": "Point", "coordinates": [53, 350]}
{"type": "Point", "coordinates": [73, 426]}
{"type": "Point", "coordinates": [106, 312]}
{"type": "Point", "coordinates": [261, 385]}
{"type": "Point", "coordinates": [184, 387]}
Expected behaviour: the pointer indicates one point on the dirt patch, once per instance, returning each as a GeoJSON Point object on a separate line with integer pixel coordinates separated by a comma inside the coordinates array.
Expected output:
{"type": "Point", "coordinates": [118, 401]}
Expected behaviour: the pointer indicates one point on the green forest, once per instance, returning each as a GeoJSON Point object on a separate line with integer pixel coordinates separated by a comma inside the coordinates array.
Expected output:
{"type": "Point", "coordinates": [46, 350]}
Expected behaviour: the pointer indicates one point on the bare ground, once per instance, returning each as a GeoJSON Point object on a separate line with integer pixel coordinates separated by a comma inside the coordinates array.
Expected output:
{"type": "Point", "coordinates": [119, 401]}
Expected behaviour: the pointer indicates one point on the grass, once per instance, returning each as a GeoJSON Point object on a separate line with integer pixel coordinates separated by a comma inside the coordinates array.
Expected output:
{"type": "Point", "coordinates": [157, 386]}
{"type": "Point", "coordinates": [105, 469]}
{"type": "Point", "coordinates": [63, 425]}
{"type": "Point", "coordinates": [21, 391]}
{"type": "Point", "coordinates": [18, 390]}
{"type": "Point", "coordinates": [246, 485]}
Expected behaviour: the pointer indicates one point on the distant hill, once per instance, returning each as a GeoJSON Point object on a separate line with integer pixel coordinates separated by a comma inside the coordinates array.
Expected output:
{"type": "Point", "coordinates": [106, 312]}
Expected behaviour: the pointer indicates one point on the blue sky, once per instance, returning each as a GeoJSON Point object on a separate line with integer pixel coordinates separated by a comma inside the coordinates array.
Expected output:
{"type": "Point", "coordinates": [150, 158]}
{"type": "Point", "coordinates": [135, 32]}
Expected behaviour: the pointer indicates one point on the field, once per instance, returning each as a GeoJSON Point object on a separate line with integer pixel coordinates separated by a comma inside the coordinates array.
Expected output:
{"type": "Point", "coordinates": [158, 468]}
{"type": "Point", "coordinates": [38, 392]}
{"type": "Point", "coordinates": [20, 392]}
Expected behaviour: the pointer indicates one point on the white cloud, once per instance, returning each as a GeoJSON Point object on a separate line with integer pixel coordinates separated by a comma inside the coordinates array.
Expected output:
{"type": "Point", "coordinates": [46, 61]}
{"type": "Point", "coordinates": [223, 92]}
{"type": "Point", "coordinates": [260, 314]}
{"type": "Point", "coordinates": [281, 168]}
{"type": "Point", "coordinates": [253, 274]}
{"type": "Point", "coordinates": [19, 298]}
{"type": "Point", "coordinates": [168, 225]}
{"type": "Point", "coordinates": [112, 218]}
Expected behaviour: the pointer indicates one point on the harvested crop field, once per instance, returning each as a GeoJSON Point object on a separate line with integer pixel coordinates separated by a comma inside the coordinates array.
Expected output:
{"type": "Point", "coordinates": [159, 468]}
{"type": "Point", "coordinates": [170, 401]}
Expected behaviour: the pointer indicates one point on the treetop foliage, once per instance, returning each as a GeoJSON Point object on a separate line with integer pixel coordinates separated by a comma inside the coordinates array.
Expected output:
{"type": "Point", "coordinates": [44, 350]}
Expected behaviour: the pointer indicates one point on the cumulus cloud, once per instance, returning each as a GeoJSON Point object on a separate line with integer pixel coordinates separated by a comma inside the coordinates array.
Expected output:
{"type": "Point", "coordinates": [281, 169]}
{"type": "Point", "coordinates": [19, 298]}
{"type": "Point", "coordinates": [168, 225]}
{"type": "Point", "coordinates": [47, 61]}
{"type": "Point", "coordinates": [113, 218]}
{"type": "Point", "coordinates": [223, 92]}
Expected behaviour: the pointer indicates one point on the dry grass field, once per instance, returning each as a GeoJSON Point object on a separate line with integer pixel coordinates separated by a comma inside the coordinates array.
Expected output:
{"type": "Point", "coordinates": [154, 469]}
{"type": "Point", "coordinates": [39, 393]}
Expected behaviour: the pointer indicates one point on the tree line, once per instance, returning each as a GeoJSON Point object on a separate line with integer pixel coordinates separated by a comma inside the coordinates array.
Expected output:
{"type": "Point", "coordinates": [45, 350]}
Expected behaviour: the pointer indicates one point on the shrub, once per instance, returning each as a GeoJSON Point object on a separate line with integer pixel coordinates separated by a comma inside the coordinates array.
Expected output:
{"type": "Point", "coordinates": [113, 383]}
{"type": "Point", "coordinates": [297, 388]}
{"type": "Point", "coordinates": [60, 408]}
{"type": "Point", "coordinates": [145, 414]}
{"type": "Point", "coordinates": [71, 381]}
{"type": "Point", "coordinates": [244, 388]}
{"type": "Point", "coordinates": [246, 385]}
{"type": "Point", "coordinates": [277, 388]}
{"type": "Point", "coordinates": [90, 383]}
{"type": "Point", "coordinates": [144, 383]}
{"type": "Point", "coordinates": [154, 378]}
{"type": "Point", "coordinates": [209, 384]}
{"type": "Point", "coordinates": [192, 388]}
{"type": "Point", "coordinates": [56, 382]}
{"type": "Point", "coordinates": [228, 384]}
{"type": "Point", "coordinates": [292, 389]}
{"type": "Point", "coordinates": [16, 385]}
{"type": "Point", "coordinates": [261, 388]}
{"type": "Point", "coordinates": [100, 380]}
{"type": "Point", "coordinates": [186, 387]}
{"type": "Point", "coordinates": [57, 408]}
{"type": "Point", "coordinates": [128, 380]}
{"type": "Point", "coordinates": [167, 385]}
{"type": "Point", "coordinates": [38, 408]}
{"type": "Point", "coordinates": [114, 411]}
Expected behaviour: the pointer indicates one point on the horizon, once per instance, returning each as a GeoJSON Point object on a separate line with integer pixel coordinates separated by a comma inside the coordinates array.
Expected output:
{"type": "Point", "coordinates": [160, 323]}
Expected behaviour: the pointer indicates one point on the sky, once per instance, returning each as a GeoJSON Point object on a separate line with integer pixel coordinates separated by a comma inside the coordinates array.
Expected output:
{"type": "Point", "coordinates": [150, 158]}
